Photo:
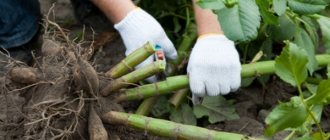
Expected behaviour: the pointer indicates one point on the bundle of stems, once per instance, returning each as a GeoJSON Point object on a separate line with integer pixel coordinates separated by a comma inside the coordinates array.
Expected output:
{"type": "Point", "coordinates": [169, 129]}
{"type": "Point", "coordinates": [134, 77]}
{"type": "Point", "coordinates": [188, 38]}
{"type": "Point", "coordinates": [132, 60]}
{"type": "Point", "coordinates": [179, 82]}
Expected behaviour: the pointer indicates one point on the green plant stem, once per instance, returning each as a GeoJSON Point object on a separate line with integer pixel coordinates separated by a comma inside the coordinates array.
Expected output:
{"type": "Point", "coordinates": [183, 50]}
{"type": "Point", "coordinates": [178, 97]}
{"type": "Point", "coordinates": [134, 77]}
{"type": "Point", "coordinates": [128, 63]}
{"type": "Point", "coordinates": [290, 135]}
{"type": "Point", "coordinates": [179, 82]}
{"type": "Point", "coordinates": [309, 111]}
{"type": "Point", "coordinates": [164, 87]}
{"type": "Point", "coordinates": [257, 69]}
{"type": "Point", "coordinates": [146, 106]}
{"type": "Point", "coordinates": [169, 129]}
{"type": "Point", "coordinates": [187, 42]}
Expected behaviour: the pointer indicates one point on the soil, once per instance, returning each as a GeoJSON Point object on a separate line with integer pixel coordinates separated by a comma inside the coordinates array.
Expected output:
{"type": "Point", "coordinates": [55, 105]}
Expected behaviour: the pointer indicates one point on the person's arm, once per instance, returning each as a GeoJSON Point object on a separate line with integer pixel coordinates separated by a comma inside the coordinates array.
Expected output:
{"type": "Point", "coordinates": [136, 27]}
{"type": "Point", "coordinates": [207, 22]}
{"type": "Point", "coordinates": [214, 67]}
{"type": "Point", "coordinates": [115, 10]}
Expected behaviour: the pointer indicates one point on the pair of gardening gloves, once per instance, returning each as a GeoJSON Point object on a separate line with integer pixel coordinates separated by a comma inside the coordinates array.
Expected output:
{"type": "Point", "coordinates": [213, 69]}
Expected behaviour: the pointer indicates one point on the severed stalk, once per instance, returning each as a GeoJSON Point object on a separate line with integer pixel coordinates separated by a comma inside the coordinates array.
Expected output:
{"type": "Point", "coordinates": [134, 77]}
{"type": "Point", "coordinates": [146, 106]}
{"type": "Point", "coordinates": [170, 129]}
{"type": "Point", "coordinates": [128, 64]}
{"type": "Point", "coordinates": [178, 97]}
{"type": "Point", "coordinates": [178, 82]}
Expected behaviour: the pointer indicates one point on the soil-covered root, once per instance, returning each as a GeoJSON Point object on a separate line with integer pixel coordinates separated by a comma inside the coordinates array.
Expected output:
{"type": "Point", "coordinates": [96, 129]}
{"type": "Point", "coordinates": [55, 108]}
{"type": "Point", "coordinates": [24, 75]}
{"type": "Point", "coordinates": [86, 77]}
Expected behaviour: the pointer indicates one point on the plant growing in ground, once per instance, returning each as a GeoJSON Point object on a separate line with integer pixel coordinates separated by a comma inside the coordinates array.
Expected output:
{"type": "Point", "coordinates": [261, 29]}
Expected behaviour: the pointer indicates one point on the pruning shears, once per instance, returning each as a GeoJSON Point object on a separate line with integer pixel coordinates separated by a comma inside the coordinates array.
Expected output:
{"type": "Point", "coordinates": [160, 56]}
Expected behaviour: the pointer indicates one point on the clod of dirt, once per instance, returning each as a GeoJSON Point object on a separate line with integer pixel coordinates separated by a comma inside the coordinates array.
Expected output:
{"type": "Point", "coordinates": [11, 116]}
{"type": "Point", "coordinates": [247, 108]}
{"type": "Point", "coordinates": [262, 115]}
{"type": "Point", "coordinates": [245, 126]}
{"type": "Point", "coordinates": [24, 75]}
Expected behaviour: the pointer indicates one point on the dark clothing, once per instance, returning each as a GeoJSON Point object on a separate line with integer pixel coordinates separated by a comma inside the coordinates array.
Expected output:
{"type": "Point", "coordinates": [19, 22]}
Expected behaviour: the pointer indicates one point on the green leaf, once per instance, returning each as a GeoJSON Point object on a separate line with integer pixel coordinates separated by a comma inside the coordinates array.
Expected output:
{"type": "Point", "coordinates": [290, 66]}
{"type": "Point", "coordinates": [325, 28]}
{"type": "Point", "coordinates": [267, 48]}
{"type": "Point", "coordinates": [266, 14]}
{"type": "Point", "coordinates": [183, 115]}
{"type": "Point", "coordinates": [309, 122]}
{"type": "Point", "coordinates": [322, 95]}
{"type": "Point", "coordinates": [247, 81]}
{"type": "Point", "coordinates": [286, 115]}
{"type": "Point", "coordinates": [328, 71]}
{"type": "Point", "coordinates": [317, 112]}
{"type": "Point", "coordinates": [307, 6]}
{"type": "Point", "coordinates": [216, 108]}
{"type": "Point", "coordinates": [311, 88]}
{"type": "Point", "coordinates": [303, 40]}
{"type": "Point", "coordinates": [279, 6]}
{"type": "Point", "coordinates": [311, 27]}
{"type": "Point", "coordinates": [211, 4]}
{"type": "Point", "coordinates": [317, 136]}
{"type": "Point", "coordinates": [285, 30]}
{"type": "Point", "coordinates": [240, 22]}
{"type": "Point", "coordinates": [161, 108]}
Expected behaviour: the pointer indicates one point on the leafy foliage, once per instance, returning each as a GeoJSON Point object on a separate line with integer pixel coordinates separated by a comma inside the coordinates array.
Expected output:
{"type": "Point", "coordinates": [266, 12]}
{"type": "Point", "coordinates": [322, 95]}
{"type": "Point", "coordinates": [216, 108]}
{"type": "Point", "coordinates": [290, 66]}
{"type": "Point", "coordinates": [211, 4]}
{"type": "Point", "coordinates": [286, 115]}
{"type": "Point", "coordinates": [285, 30]}
{"type": "Point", "coordinates": [325, 27]}
{"type": "Point", "coordinates": [184, 115]}
{"type": "Point", "coordinates": [303, 40]}
{"type": "Point", "coordinates": [306, 6]}
{"type": "Point", "coordinates": [261, 28]}
{"type": "Point", "coordinates": [161, 108]}
{"type": "Point", "coordinates": [279, 6]}
{"type": "Point", "coordinates": [240, 22]}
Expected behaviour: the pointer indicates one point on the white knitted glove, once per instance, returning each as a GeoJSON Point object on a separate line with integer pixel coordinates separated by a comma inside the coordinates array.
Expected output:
{"type": "Point", "coordinates": [214, 67]}
{"type": "Point", "coordinates": [137, 28]}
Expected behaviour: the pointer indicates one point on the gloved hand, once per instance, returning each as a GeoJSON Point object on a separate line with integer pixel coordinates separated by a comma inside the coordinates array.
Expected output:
{"type": "Point", "coordinates": [214, 67]}
{"type": "Point", "coordinates": [137, 28]}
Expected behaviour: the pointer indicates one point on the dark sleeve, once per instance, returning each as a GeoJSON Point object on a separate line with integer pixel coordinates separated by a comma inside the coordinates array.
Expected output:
{"type": "Point", "coordinates": [19, 22]}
